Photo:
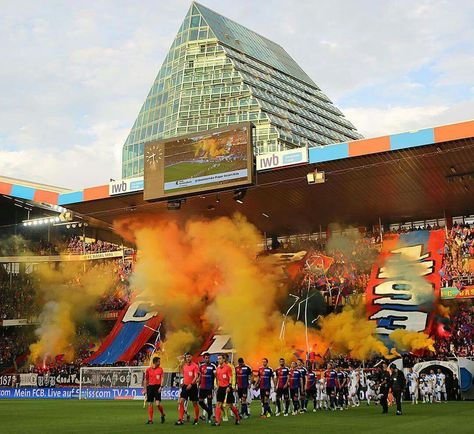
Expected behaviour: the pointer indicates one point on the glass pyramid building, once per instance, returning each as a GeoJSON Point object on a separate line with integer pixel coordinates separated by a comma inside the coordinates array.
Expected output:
{"type": "Point", "coordinates": [218, 72]}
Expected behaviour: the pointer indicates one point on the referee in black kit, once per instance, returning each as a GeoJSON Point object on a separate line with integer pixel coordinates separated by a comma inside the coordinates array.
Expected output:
{"type": "Point", "coordinates": [398, 382]}
{"type": "Point", "coordinates": [383, 382]}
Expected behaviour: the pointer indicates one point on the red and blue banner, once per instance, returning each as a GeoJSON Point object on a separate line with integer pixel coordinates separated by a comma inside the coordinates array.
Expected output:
{"type": "Point", "coordinates": [405, 282]}
{"type": "Point", "coordinates": [134, 327]}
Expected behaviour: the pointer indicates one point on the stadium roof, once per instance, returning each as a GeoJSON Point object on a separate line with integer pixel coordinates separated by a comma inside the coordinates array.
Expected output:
{"type": "Point", "coordinates": [403, 177]}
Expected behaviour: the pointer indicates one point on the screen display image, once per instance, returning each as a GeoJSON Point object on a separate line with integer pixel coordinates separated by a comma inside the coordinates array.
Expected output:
{"type": "Point", "coordinates": [204, 161]}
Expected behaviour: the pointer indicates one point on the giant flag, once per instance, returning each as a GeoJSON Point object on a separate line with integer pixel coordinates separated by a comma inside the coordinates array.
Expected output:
{"type": "Point", "coordinates": [405, 282]}
{"type": "Point", "coordinates": [135, 325]}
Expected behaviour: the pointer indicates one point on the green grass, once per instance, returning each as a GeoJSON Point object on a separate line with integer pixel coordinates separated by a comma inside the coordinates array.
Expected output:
{"type": "Point", "coordinates": [56, 417]}
{"type": "Point", "coordinates": [187, 170]}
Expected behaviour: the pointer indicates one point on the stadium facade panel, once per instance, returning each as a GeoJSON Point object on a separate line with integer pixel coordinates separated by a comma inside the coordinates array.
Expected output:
{"type": "Point", "coordinates": [217, 73]}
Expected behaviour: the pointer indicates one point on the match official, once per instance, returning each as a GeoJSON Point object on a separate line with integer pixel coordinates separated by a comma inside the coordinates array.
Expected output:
{"type": "Point", "coordinates": [398, 382]}
{"type": "Point", "coordinates": [383, 381]}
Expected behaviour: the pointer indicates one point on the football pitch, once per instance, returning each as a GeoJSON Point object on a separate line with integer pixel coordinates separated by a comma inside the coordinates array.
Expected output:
{"type": "Point", "coordinates": [56, 417]}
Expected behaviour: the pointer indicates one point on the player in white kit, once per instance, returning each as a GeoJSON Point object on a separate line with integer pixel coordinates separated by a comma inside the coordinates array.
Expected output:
{"type": "Point", "coordinates": [431, 385]}
{"type": "Point", "coordinates": [441, 387]}
{"type": "Point", "coordinates": [412, 380]}
{"type": "Point", "coordinates": [371, 392]}
{"type": "Point", "coordinates": [322, 399]}
{"type": "Point", "coordinates": [354, 381]}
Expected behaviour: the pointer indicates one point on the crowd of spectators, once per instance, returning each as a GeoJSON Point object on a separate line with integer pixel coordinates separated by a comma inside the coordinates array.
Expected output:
{"type": "Point", "coordinates": [458, 266]}
{"type": "Point", "coordinates": [16, 245]}
{"type": "Point", "coordinates": [14, 342]}
{"type": "Point", "coordinates": [18, 296]}
{"type": "Point", "coordinates": [77, 246]}
{"type": "Point", "coordinates": [351, 257]}
{"type": "Point", "coordinates": [458, 340]}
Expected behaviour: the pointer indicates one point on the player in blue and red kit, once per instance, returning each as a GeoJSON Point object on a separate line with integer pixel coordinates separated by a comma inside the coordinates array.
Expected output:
{"type": "Point", "coordinates": [340, 384]}
{"type": "Point", "coordinates": [206, 386]}
{"type": "Point", "coordinates": [331, 377]}
{"type": "Point", "coordinates": [296, 384]}
{"type": "Point", "coordinates": [264, 382]}
{"type": "Point", "coordinates": [311, 386]}
{"type": "Point", "coordinates": [281, 386]}
{"type": "Point", "coordinates": [243, 375]}
{"type": "Point", "coordinates": [303, 371]}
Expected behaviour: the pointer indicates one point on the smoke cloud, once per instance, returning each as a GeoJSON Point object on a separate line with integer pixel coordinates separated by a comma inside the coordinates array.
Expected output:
{"type": "Point", "coordinates": [69, 294]}
{"type": "Point", "coordinates": [203, 275]}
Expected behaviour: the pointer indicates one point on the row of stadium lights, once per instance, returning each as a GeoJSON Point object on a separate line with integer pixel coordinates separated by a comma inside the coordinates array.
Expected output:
{"type": "Point", "coordinates": [52, 220]}
{"type": "Point", "coordinates": [43, 221]}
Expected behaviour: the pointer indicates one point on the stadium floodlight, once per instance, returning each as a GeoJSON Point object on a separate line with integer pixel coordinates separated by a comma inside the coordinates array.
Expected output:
{"type": "Point", "coordinates": [173, 205]}
{"type": "Point", "coordinates": [316, 177]}
{"type": "Point", "coordinates": [239, 195]}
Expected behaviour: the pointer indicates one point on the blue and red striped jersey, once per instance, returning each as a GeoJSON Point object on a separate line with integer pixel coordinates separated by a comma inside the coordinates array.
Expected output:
{"type": "Point", "coordinates": [243, 374]}
{"type": "Point", "coordinates": [303, 372]}
{"type": "Point", "coordinates": [282, 376]}
{"type": "Point", "coordinates": [265, 376]}
{"type": "Point", "coordinates": [330, 378]}
{"type": "Point", "coordinates": [310, 380]}
{"type": "Point", "coordinates": [340, 378]}
{"type": "Point", "coordinates": [208, 373]}
{"type": "Point", "coordinates": [295, 377]}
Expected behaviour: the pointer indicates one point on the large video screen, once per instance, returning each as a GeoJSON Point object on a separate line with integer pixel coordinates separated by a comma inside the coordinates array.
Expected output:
{"type": "Point", "coordinates": [209, 160]}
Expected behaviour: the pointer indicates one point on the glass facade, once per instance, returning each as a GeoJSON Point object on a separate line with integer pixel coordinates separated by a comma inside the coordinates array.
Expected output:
{"type": "Point", "coordinates": [218, 72]}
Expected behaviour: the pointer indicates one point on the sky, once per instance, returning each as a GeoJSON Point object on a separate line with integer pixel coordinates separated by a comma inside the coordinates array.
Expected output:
{"type": "Point", "coordinates": [74, 75]}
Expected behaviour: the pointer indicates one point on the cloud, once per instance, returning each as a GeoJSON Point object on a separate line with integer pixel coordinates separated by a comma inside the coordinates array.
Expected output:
{"type": "Point", "coordinates": [376, 121]}
{"type": "Point", "coordinates": [75, 166]}
{"type": "Point", "coordinates": [73, 78]}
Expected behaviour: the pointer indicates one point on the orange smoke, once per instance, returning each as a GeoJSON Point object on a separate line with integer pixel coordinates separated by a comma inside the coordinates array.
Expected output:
{"type": "Point", "coordinates": [204, 274]}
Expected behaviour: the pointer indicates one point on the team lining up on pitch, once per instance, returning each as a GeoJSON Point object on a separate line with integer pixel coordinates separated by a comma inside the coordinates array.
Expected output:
{"type": "Point", "coordinates": [290, 388]}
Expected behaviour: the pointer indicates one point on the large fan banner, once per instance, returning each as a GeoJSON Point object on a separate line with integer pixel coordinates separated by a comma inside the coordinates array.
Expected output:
{"type": "Point", "coordinates": [405, 282]}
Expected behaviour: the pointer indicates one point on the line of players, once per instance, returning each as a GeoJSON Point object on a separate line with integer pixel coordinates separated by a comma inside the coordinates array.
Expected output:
{"type": "Point", "coordinates": [292, 388]}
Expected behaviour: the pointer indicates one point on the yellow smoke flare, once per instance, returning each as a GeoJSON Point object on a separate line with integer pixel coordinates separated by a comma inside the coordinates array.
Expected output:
{"type": "Point", "coordinates": [69, 294]}
{"type": "Point", "coordinates": [412, 341]}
